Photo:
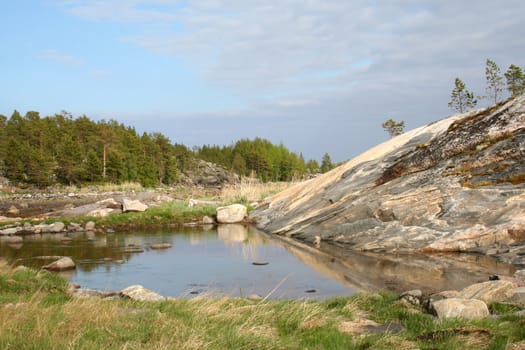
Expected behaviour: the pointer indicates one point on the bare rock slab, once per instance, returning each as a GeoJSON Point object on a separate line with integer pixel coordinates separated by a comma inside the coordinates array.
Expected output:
{"type": "Point", "coordinates": [231, 214]}
{"type": "Point", "coordinates": [469, 309]}
{"type": "Point", "coordinates": [139, 293]}
{"type": "Point", "coordinates": [62, 264]}
{"type": "Point", "coordinates": [489, 292]}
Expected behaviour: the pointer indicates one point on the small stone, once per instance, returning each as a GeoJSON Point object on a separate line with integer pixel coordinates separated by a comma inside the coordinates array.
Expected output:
{"type": "Point", "coordinates": [65, 263]}
{"type": "Point", "coordinates": [13, 211]}
{"type": "Point", "coordinates": [139, 293]}
{"type": "Point", "coordinates": [254, 297]}
{"type": "Point", "coordinates": [161, 246]}
{"type": "Point", "coordinates": [90, 226]}
{"type": "Point", "coordinates": [412, 296]}
{"type": "Point", "coordinates": [133, 250]}
{"type": "Point", "coordinates": [207, 220]}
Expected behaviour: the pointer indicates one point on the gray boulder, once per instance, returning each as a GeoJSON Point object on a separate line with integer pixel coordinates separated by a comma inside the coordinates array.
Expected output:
{"type": "Point", "coordinates": [469, 309]}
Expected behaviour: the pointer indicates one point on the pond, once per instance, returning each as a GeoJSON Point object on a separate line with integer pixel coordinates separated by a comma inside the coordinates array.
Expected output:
{"type": "Point", "coordinates": [220, 261]}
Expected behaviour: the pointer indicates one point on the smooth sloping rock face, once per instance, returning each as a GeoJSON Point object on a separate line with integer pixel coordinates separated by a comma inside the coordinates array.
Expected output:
{"type": "Point", "coordinates": [139, 293]}
{"type": "Point", "coordinates": [453, 185]}
{"type": "Point", "coordinates": [489, 292]}
{"type": "Point", "coordinates": [62, 264]}
{"type": "Point", "coordinates": [231, 214]}
{"type": "Point", "coordinates": [469, 309]}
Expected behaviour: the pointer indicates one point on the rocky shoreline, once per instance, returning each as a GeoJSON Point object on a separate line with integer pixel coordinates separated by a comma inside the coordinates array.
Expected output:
{"type": "Point", "coordinates": [472, 302]}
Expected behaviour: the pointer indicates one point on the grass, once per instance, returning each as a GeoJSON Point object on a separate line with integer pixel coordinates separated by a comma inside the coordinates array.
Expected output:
{"type": "Point", "coordinates": [250, 190]}
{"type": "Point", "coordinates": [166, 214]}
{"type": "Point", "coordinates": [36, 313]}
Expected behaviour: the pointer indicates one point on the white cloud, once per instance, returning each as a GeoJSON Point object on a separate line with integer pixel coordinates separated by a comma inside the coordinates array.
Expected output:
{"type": "Point", "coordinates": [308, 59]}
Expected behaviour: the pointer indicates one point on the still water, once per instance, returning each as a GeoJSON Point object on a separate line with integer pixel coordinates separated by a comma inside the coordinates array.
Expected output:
{"type": "Point", "coordinates": [218, 261]}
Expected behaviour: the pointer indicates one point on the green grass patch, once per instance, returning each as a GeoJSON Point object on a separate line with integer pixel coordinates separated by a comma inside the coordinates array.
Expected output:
{"type": "Point", "coordinates": [36, 313]}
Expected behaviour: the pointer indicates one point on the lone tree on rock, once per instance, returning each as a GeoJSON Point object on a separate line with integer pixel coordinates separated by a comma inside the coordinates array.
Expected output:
{"type": "Point", "coordinates": [515, 80]}
{"type": "Point", "coordinates": [461, 99]}
{"type": "Point", "coordinates": [326, 163]}
{"type": "Point", "coordinates": [494, 80]}
{"type": "Point", "coordinates": [393, 128]}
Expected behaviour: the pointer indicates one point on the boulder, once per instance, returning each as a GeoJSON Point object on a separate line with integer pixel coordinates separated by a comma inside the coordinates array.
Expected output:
{"type": "Point", "coordinates": [231, 214]}
{"type": "Point", "coordinates": [489, 292]}
{"type": "Point", "coordinates": [139, 293]}
{"type": "Point", "coordinates": [129, 205]}
{"type": "Point", "coordinates": [62, 264]}
{"type": "Point", "coordinates": [469, 309]}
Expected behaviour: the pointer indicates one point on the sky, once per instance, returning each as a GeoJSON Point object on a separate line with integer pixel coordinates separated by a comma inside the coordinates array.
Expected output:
{"type": "Point", "coordinates": [316, 75]}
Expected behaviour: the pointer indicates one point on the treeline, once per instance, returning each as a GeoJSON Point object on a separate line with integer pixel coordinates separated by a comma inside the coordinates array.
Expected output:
{"type": "Point", "coordinates": [61, 149]}
{"type": "Point", "coordinates": [43, 151]}
{"type": "Point", "coordinates": [263, 159]}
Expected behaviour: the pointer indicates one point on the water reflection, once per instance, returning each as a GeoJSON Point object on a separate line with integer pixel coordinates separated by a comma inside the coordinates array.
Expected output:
{"type": "Point", "coordinates": [219, 260]}
{"type": "Point", "coordinates": [372, 272]}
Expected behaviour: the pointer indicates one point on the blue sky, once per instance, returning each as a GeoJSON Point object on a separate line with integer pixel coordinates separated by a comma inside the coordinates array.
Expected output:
{"type": "Point", "coordinates": [317, 75]}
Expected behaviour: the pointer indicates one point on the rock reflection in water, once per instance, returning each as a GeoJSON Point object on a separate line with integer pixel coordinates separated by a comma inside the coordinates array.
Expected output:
{"type": "Point", "coordinates": [373, 272]}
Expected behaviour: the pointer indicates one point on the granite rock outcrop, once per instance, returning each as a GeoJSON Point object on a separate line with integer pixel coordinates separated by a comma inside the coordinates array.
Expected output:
{"type": "Point", "coordinates": [455, 185]}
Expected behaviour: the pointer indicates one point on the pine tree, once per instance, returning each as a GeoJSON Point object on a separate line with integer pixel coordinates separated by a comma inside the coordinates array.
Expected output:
{"type": "Point", "coordinates": [461, 99]}
{"type": "Point", "coordinates": [494, 80]}
{"type": "Point", "coordinates": [393, 128]}
{"type": "Point", "coordinates": [515, 80]}
{"type": "Point", "coordinates": [326, 163]}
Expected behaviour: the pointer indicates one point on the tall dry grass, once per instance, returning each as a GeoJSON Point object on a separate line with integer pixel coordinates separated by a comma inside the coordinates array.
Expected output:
{"type": "Point", "coordinates": [250, 190]}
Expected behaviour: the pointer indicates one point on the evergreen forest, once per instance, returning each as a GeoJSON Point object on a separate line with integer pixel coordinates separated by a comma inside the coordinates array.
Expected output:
{"type": "Point", "coordinates": [60, 149]}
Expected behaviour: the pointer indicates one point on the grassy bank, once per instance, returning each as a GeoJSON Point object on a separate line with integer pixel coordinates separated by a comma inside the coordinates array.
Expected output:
{"type": "Point", "coordinates": [37, 313]}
